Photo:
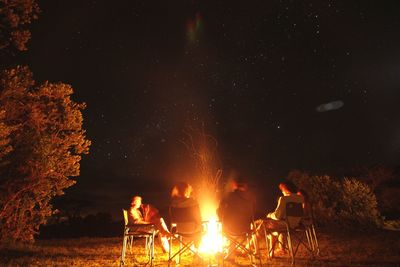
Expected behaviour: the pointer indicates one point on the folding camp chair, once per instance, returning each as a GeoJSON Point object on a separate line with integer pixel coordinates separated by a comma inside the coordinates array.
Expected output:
{"type": "Point", "coordinates": [184, 229]}
{"type": "Point", "coordinates": [291, 228]}
{"type": "Point", "coordinates": [308, 223]}
{"type": "Point", "coordinates": [244, 241]}
{"type": "Point", "coordinates": [134, 231]}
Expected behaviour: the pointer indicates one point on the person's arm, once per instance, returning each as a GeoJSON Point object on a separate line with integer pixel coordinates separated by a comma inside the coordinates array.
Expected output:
{"type": "Point", "coordinates": [277, 214]}
{"type": "Point", "coordinates": [150, 213]}
{"type": "Point", "coordinates": [136, 216]}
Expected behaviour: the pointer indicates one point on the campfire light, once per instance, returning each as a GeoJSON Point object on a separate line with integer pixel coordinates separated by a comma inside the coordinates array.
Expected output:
{"type": "Point", "coordinates": [212, 240]}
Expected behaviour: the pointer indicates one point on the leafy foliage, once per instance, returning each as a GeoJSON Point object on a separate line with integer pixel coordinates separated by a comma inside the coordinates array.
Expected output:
{"type": "Point", "coordinates": [5, 132]}
{"type": "Point", "coordinates": [358, 204]}
{"type": "Point", "coordinates": [15, 16]}
{"type": "Point", "coordinates": [347, 203]}
{"type": "Point", "coordinates": [43, 126]}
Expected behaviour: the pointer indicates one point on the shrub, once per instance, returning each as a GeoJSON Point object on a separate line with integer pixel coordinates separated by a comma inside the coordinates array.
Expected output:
{"type": "Point", "coordinates": [358, 204]}
{"type": "Point", "coordinates": [345, 203]}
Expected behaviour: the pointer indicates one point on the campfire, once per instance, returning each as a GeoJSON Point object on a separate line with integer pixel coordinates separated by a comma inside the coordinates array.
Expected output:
{"type": "Point", "coordinates": [212, 241]}
{"type": "Point", "coordinates": [203, 148]}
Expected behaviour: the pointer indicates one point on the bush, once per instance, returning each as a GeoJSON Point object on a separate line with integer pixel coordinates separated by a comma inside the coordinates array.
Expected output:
{"type": "Point", "coordinates": [359, 206]}
{"type": "Point", "coordinates": [345, 203]}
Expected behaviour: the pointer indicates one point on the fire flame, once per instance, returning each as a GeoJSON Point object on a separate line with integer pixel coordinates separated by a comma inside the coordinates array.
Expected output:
{"type": "Point", "coordinates": [212, 240]}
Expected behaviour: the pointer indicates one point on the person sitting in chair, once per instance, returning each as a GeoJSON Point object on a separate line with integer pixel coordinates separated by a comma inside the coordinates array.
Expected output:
{"type": "Point", "coordinates": [187, 209]}
{"type": "Point", "coordinates": [236, 209]}
{"type": "Point", "coordinates": [289, 192]}
{"type": "Point", "coordinates": [147, 214]}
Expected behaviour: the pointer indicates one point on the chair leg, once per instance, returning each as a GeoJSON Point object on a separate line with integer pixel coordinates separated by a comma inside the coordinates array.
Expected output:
{"type": "Point", "coordinates": [247, 244]}
{"type": "Point", "coordinates": [123, 252]}
{"type": "Point", "coordinates": [256, 251]}
{"type": "Point", "coordinates": [290, 245]}
{"type": "Point", "coordinates": [267, 242]}
{"type": "Point", "coordinates": [152, 249]}
{"type": "Point", "coordinates": [130, 239]}
{"type": "Point", "coordinates": [170, 251]}
{"type": "Point", "coordinates": [314, 237]}
{"type": "Point", "coordinates": [180, 249]}
{"type": "Point", "coordinates": [310, 240]}
{"type": "Point", "coordinates": [249, 254]}
{"type": "Point", "coordinates": [147, 248]}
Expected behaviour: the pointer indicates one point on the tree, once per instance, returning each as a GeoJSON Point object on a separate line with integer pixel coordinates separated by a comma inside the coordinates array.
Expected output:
{"type": "Point", "coordinates": [5, 132]}
{"type": "Point", "coordinates": [15, 16]}
{"type": "Point", "coordinates": [43, 131]}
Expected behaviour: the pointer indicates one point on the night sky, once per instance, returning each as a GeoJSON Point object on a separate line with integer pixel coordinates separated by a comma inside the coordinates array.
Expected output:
{"type": "Point", "coordinates": [281, 85]}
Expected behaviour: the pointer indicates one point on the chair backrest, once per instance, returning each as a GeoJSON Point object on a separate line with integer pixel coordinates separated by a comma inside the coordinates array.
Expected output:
{"type": "Point", "coordinates": [294, 209]}
{"type": "Point", "coordinates": [186, 219]}
{"type": "Point", "coordinates": [125, 213]}
{"type": "Point", "coordinates": [294, 213]}
{"type": "Point", "coordinates": [183, 214]}
{"type": "Point", "coordinates": [237, 216]}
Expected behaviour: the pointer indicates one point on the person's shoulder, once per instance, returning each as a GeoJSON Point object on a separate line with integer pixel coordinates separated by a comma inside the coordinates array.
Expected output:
{"type": "Point", "coordinates": [193, 201]}
{"type": "Point", "coordinates": [300, 198]}
{"type": "Point", "coordinates": [183, 202]}
{"type": "Point", "coordinates": [294, 197]}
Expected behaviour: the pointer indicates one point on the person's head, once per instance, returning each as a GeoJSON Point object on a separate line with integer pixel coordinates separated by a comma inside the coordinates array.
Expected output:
{"type": "Point", "coordinates": [303, 193]}
{"type": "Point", "coordinates": [239, 183]}
{"type": "Point", "coordinates": [287, 188]}
{"type": "Point", "coordinates": [182, 189]}
{"type": "Point", "coordinates": [136, 202]}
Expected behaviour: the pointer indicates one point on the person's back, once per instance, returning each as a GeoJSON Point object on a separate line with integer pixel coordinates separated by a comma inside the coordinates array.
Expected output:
{"type": "Point", "coordinates": [184, 209]}
{"type": "Point", "coordinates": [280, 212]}
{"type": "Point", "coordinates": [236, 212]}
{"type": "Point", "coordinates": [273, 221]}
{"type": "Point", "coordinates": [289, 195]}
{"type": "Point", "coordinates": [185, 212]}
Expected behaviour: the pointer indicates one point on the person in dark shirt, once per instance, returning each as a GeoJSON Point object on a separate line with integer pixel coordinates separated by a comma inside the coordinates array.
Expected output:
{"type": "Point", "coordinates": [181, 198]}
{"type": "Point", "coordinates": [236, 209]}
{"type": "Point", "coordinates": [186, 210]}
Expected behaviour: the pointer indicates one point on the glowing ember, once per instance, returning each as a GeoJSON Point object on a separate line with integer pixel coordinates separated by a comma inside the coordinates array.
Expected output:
{"type": "Point", "coordinates": [212, 240]}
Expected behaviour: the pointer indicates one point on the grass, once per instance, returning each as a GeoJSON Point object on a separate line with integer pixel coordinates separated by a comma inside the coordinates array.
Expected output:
{"type": "Point", "coordinates": [380, 248]}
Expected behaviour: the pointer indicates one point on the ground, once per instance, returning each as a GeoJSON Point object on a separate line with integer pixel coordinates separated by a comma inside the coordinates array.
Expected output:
{"type": "Point", "coordinates": [338, 248]}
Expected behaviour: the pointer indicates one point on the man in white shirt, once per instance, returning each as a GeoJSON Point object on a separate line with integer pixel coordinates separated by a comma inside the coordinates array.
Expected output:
{"type": "Point", "coordinates": [274, 219]}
